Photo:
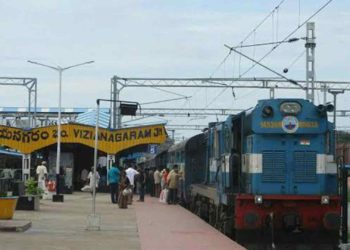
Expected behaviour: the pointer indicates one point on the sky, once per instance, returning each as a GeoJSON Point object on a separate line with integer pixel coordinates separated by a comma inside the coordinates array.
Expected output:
{"type": "Point", "coordinates": [164, 39]}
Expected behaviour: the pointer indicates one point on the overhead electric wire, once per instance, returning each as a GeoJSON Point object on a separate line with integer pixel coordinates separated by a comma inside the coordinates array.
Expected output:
{"type": "Point", "coordinates": [296, 59]}
{"type": "Point", "coordinates": [263, 21]}
{"type": "Point", "coordinates": [248, 35]}
{"type": "Point", "coordinates": [214, 99]}
{"type": "Point", "coordinates": [269, 69]}
{"type": "Point", "coordinates": [273, 48]}
{"type": "Point", "coordinates": [254, 46]}
{"type": "Point", "coordinates": [163, 90]}
{"type": "Point", "coordinates": [168, 100]}
{"type": "Point", "coordinates": [299, 12]}
{"type": "Point", "coordinates": [273, 27]}
{"type": "Point", "coordinates": [289, 35]}
{"type": "Point", "coordinates": [291, 40]}
{"type": "Point", "coordinates": [233, 66]}
{"type": "Point", "coordinates": [277, 23]}
{"type": "Point", "coordinates": [253, 31]}
{"type": "Point", "coordinates": [220, 64]}
{"type": "Point", "coordinates": [239, 64]}
{"type": "Point", "coordinates": [145, 117]}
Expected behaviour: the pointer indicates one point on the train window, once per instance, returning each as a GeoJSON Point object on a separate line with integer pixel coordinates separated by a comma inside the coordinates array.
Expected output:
{"type": "Point", "coordinates": [182, 156]}
{"type": "Point", "coordinates": [178, 157]}
{"type": "Point", "coordinates": [172, 157]}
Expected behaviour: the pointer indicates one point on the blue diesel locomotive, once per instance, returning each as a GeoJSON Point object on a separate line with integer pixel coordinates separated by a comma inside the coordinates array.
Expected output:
{"type": "Point", "coordinates": [265, 176]}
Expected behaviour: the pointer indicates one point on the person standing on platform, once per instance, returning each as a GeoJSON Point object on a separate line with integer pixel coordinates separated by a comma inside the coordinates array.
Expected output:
{"type": "Point", "coordinates": [130, 173]}
{"type": "Point", "coordinates": [150, 182]}
{"type": "Point", "coordinates": [83, 177]}
{"type": "Point", "coordinates": [157, 178]}
{"type": "Point", "coordinates": [41, 172]}
{"type": "Point", "coordinates": [164, 179]}
{"type": "Point", "coordinates": [113, 180]}
{"type": "Point", "coordinates": [68, 179]}
{"type": "Point", "coordinates": [141, 179]}
{"type": "Point", "coordinates": [124, 190]}
{"type": "Point", "coordinates": [172, 181]}
{"type": "Point", "coordinates": [93, 178]}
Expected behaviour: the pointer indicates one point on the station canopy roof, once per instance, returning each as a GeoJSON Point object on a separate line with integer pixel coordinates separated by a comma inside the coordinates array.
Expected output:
{"type": "Point", "coordinates": [90, 117]}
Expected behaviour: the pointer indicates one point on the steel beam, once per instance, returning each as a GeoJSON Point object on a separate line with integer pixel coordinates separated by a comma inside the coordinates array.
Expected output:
{"type": "Point", "coordinates": [31, 85]}
{"type": "Point", "coordinates": [253, 82]}
{"type": "Point", "coordinates": [71, 114]}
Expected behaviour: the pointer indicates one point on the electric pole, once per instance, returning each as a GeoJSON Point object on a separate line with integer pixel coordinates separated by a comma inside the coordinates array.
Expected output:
{"type": "Point", "coordinates": [310, 61]}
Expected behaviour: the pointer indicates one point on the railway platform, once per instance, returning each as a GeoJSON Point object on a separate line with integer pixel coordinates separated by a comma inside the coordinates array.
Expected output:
{"type": "Point", "coordinates": [143, 226]}
{"type": "Point", "coordinates": [162, 226]}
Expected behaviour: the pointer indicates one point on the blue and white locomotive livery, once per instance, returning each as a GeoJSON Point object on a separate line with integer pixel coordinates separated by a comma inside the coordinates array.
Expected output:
{"type": "Point", "coordinates": [267, 176]}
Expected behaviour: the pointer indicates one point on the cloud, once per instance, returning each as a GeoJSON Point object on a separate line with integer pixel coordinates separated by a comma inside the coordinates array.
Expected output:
{"type": "Point", "coordinates": [159, 39]}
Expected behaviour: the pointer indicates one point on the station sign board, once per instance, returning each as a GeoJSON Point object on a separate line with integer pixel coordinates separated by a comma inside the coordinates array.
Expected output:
{"type": "Point", "coordinates": [109, 141]}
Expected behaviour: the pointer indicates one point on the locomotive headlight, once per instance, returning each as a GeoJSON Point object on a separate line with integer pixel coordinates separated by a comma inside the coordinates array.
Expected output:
{"type": "Point", "coordinates": [258, 199]}
{"type": "Point", "coordinates": [330, 107]}
{"type": "Point", "coordinates": [325, 199]}
{"type": "Point", "coordinates": [290, 108]}
{"type": "Point", "coordinates": [267, 111]}
{"type": "Point", "coordinates": [322, 110]}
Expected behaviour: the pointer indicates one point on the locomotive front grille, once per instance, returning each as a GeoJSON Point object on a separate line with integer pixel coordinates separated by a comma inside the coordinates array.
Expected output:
{"type": "Point", "coordinates": [274, 166]}
{"type": "Point", "coordinates": [305, 166]}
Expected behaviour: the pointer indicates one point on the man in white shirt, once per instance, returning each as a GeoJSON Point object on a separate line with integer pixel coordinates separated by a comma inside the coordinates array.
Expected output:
{"type": "Point", "coordinates": [157, 178]}
{"type": "Point", "coordinates": [130, 173]}
{"type": "Point", "coordinates": [41, 172]}
{"type": "Point", "coordinates": [93, 178]}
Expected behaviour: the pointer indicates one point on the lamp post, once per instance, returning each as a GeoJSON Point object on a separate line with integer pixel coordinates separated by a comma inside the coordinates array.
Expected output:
{"type": "Point", "coordinates": [335, 92]}
{"type": "Point", "coordinates": [128, 108]}
{"type": "Point", "coordinates": [60, 70]}
{"type": "Point", "coordinates": [344, 173]}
